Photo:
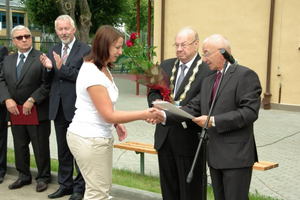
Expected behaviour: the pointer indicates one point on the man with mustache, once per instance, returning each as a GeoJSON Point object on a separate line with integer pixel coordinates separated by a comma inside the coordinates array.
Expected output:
{"type": "Point", "coordinates": [63, 62]}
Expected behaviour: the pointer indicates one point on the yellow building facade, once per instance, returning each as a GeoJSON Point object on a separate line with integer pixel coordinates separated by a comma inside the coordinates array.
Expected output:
{"type": "Point", "coordinates": [264, 36]}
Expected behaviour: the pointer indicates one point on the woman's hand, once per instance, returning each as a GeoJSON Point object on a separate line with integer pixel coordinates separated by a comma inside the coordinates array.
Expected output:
{"type": "Point", "coordinates": [121, 131]}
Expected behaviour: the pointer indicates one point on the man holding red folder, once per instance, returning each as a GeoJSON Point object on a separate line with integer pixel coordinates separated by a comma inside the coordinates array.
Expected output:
{"type": "Point", "coordinates": [26, 95]}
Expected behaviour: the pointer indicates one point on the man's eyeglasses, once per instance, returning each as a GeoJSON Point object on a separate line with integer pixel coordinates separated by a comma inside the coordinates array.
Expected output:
{"type": "Point", "coordinates": [21, 37]}
{"type": "Point", "coordinates": [184, 45]}
{"type": "Point", "coordinates": [209, 53]}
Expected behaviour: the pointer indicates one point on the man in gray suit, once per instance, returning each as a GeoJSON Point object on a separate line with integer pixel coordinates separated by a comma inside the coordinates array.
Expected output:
{"type": "Point", "coordinates": [63, 62]}
{"type": "Point", "coordinates": [22, 83]}
{"type": "Point", "coordinates": [3, 124]}
{"type": "Point", "coordinates": [231, 150]}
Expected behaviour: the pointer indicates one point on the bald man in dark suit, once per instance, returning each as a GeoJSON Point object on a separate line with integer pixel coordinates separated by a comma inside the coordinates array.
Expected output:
{"type": "Point", "coordinates": [232, 149]}
{"type": "Point", "coordinates": [176, 145]}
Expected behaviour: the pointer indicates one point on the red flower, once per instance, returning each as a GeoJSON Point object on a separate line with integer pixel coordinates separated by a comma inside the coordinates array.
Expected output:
{"type": "Point", "coordinates": [129, 43]}
{"type": "Point", "coordinates": [134, 36]}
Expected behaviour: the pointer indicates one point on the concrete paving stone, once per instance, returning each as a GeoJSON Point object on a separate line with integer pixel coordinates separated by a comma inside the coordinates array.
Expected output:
{"type": "Point", "coordinates": [277, 136]}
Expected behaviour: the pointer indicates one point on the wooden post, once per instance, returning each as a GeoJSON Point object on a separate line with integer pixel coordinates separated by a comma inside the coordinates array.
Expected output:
{"type": "Point", "coordinates": [138, 31]}
{"type": "Point", "coordinates": [149, 32]}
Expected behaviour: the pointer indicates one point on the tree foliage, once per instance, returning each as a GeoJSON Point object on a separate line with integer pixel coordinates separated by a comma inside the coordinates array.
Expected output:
{"type": "Point", "coordinates": [88, 15]}
{"type": "Point", "coordinates": [106, 12]}
{"type": "Point", "coordinates": [129, 17]}
{"type": "Point", "coordinates": [41, 12]}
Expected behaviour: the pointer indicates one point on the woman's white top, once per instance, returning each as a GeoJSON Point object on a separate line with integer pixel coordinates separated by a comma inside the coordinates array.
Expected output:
{"type": "Point", "coordinates": [87, 122]}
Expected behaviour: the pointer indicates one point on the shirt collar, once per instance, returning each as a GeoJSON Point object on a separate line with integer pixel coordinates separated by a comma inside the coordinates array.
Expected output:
{"type": "Point", "coordinates": [189, 64]}
{"type": "Point", "coordinates": [70, 45]}
{"type": "Point", "coordinates": [25, 54]}
{"type": "Point", "coordinates": [228, 65]}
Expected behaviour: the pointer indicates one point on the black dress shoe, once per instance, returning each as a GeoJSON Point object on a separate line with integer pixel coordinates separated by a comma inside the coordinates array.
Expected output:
{"type": "Point", "coordinates": [76, 196]}
{"type": "Point", "coordinates": [60, 193]}
{"type": "Point", "coordinates": [41, 186]}
{"type": "Point", "coordinates": [19, 183]}
{"type": "Point", "coordinates": [1, 179]}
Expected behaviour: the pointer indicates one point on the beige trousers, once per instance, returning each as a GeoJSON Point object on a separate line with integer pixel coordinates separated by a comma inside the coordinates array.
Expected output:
{"type": "Point", "coordinates": [94, 158]}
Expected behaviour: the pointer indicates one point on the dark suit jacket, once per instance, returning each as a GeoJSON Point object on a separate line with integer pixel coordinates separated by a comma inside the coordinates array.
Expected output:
{"type": "Point", "coordinates": [31, 83]}
{"type": "Point", "coordinates": [186, 141]}
{"type": "Point", "coordinates": [63, 80]}
{"type": "Point", "coordinates": [3, 53]}
{"type": "Point", "coordinates": [231, 142]}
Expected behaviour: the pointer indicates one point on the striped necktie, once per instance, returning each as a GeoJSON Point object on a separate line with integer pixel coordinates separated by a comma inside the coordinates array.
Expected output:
{"type": "Point", "coordinates": [65, 55]}
{"type": "Point", "coordinates": [181, 76]}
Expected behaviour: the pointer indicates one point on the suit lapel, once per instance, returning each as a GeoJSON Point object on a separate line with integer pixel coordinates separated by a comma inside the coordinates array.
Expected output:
{"type": "Point", "coordinates": [226, 78]}
{"type": "Point", "coordinates": [209, 89]}
{"type": "Point", "coordinates": [73, 51]}
{"type": "Point", "coordinates": [57, 50]}
{"type": "Point", "coordinates": [30, 58]}
{"type": "Point", "coordinates": [13, 69]}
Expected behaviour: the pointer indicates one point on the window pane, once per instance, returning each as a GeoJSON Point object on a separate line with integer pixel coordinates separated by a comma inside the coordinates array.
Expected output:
{"type": "Point", "coordinates": [3, 21]}
{"type": "Point", "coordinates": [21, 20]}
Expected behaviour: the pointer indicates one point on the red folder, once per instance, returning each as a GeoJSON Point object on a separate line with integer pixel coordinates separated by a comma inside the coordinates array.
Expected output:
{"type": "Point", "coordinates": [22, 119]}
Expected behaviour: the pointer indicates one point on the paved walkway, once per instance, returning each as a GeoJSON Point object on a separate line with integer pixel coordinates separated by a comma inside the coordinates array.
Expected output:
{"type": "Point", "coordinates": [277, 136]}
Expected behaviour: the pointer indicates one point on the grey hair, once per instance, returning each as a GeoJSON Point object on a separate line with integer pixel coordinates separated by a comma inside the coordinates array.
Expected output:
{"type": "Point", "coordinates": [65, 17]}
{"type": "Point", "coordinates": [219, 40]}
{"type": "Point", "coordinates": [190, 30]}
{"type": "Point", "coordinates": [18, 28]}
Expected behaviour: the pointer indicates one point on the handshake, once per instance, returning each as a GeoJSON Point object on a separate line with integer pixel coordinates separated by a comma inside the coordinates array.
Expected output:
{"type": "Point", "coordinates": [154, 116]}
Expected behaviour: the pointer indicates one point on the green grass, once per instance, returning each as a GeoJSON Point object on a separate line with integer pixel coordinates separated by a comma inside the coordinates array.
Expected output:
{"type": "Point", "coordinates": [131, 179]}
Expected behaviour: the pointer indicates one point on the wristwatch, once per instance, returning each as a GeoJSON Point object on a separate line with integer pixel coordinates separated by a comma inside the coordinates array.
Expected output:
{"type": "Point", "coordinates": [213, 122]}
{"type": "Point", "coordinates": [30, 100]}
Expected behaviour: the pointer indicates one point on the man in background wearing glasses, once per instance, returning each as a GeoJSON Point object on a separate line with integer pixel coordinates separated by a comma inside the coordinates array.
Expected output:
{"type": "Point", "coordinates": [177, 145]}
{"type": "Point", "coordinates": [22, 83]}
{"type": "Point", "coordinates": [231, 150]}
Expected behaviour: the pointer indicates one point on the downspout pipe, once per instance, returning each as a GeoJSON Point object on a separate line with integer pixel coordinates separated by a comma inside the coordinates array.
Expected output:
{"type": "Point", "coordinates": [162, 28]}
{"type": "Point", "coordinates": [267, 94]}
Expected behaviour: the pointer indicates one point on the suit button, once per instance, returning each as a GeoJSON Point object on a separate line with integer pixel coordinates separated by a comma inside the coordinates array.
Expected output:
{"type": "Point", "coordinates": [61, 81]}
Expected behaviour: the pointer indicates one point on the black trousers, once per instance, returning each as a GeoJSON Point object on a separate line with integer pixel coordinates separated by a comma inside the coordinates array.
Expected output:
{"type": "Point", "coordinates": [38, 136]}
{"type": "Point", "coordinates": [65, 157]}
{"type": "Point", "coordinates": [174, 169]}
{"type": "Point", "coordinates": [231, 184]}
{"type": "Point", "coordinates": [3, 141]}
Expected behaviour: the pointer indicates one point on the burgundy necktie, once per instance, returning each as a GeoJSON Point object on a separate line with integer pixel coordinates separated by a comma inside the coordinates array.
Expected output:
{"type": "Point", "coordinates": [216, 85]}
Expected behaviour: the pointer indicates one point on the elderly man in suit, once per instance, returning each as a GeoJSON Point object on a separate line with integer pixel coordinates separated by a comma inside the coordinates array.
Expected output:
{"type": "Point", "coordinates": [176, 145]}
{"type": "Point", "coordinates": [63, 63]}
{"type": "Point", "coordinates": [3, 124]}
{"type": "Point", "coordinates": [231, 150]}
{"type": "Point", "coordinates": [22, 82]}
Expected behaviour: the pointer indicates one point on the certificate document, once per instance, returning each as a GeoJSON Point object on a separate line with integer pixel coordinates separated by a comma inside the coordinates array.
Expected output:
{"type": "Point", "coordinates": [165, 105]}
